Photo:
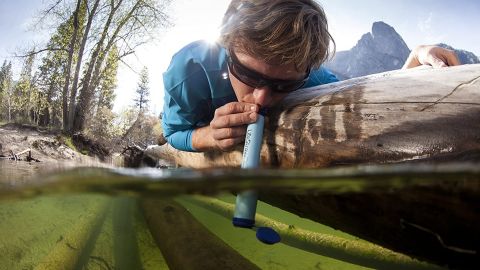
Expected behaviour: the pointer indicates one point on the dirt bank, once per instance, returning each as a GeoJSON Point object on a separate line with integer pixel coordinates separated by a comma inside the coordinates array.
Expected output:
{"type": "Point", "coordinates": [46, 147]}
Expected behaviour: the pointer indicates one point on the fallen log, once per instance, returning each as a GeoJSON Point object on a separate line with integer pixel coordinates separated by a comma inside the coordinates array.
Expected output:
{"type": "Point", "coordinates": [28, 150]}
{"type": "Point", "coordinates": [427, 115]}
{"type": "Point", "coordinates": [391, 117]}
{"type": "Point", "coordinates": [16, 156]}
{"type": "Point", "coordinates": [185, 243]}
{"type": "Point", "coordinates": [352, 251]}
{"type": "Point", "coordinates": [28, 158]}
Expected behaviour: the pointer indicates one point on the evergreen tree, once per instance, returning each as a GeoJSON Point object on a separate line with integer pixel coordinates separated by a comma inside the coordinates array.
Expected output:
{"type": "Point", "coordinates": [143, 92]}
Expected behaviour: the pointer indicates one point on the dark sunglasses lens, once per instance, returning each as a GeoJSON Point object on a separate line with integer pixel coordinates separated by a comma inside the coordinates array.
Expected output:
{"type": "Point", "coordinates": [244, 75]}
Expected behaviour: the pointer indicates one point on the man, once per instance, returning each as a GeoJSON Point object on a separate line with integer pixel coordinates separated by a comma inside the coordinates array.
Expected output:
{"type": "Point", "coordinates": [267, 49]}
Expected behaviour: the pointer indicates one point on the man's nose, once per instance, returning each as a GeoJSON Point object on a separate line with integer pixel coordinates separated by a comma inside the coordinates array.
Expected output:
{"type": "Point", "coordinates": [262, 96]}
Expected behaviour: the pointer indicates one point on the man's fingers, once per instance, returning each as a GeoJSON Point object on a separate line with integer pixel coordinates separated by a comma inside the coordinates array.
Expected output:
{"type": "Point", "coordinates": [437, 63]}
{"type": "Point", "coordinates": [452, 59]}
{"type": "Point", "coordinates": [229, 123]}
{"type": "Point", "coordinates": [436, 56]}
{"type": "Point", "coordinates": [236, 107]}
{"type": "Point", "coordinates": [227, 133]}
{"type": "Point", "coordinates": [234, 120]}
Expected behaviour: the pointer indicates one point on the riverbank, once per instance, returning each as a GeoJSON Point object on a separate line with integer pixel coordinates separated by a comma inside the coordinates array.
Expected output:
{"type": "Point", "coordinates": [49, 151]}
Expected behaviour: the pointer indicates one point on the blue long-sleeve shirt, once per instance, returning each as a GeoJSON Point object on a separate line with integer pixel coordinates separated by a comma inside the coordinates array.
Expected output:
{"type": "Point", "coordinates": [196, 84]}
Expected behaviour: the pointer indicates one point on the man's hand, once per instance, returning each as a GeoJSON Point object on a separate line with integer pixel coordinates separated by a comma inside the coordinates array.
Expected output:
{"type": "Point", "coordinates": [434, 56]}
{"type": "Point", "coordinates": [227, 129]}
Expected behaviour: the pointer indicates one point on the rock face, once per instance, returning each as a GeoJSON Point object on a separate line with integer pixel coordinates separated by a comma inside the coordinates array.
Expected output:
{"type": "Point", "coordinates": [381, 50]}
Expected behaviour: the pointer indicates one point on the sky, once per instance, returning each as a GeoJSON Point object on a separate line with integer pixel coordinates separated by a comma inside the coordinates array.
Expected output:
{"type": "Point", "coordinates": [456, 23]}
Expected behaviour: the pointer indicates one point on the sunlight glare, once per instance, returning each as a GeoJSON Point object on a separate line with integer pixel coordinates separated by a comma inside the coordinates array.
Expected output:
{"type": "Point", "coordinates": [211, 34]}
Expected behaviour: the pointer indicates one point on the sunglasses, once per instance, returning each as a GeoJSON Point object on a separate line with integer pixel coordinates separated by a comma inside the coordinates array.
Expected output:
{"type": "Point", "coordinates": [255, 79]}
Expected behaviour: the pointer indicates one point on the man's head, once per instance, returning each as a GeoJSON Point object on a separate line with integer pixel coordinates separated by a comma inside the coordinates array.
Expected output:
{"type": "Point", "coordinates": [278, 31]}
{"type": "Point", "coordinates": [272, 45]}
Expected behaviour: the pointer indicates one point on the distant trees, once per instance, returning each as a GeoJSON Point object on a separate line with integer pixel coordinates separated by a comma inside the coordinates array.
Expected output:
{"type": "Point", "coordinates": [24, 92]}
{"type": "Point", "coordinates": [53, 71]}
{"type": "Point", "coordinates": [6, 90]}
{"type": "Point", "coordinates": [72, 87]}
{"type": "Point", "coordinates": [17, 97]}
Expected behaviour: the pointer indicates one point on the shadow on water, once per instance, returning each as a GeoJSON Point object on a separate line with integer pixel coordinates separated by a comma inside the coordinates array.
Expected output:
{"type": "Point", "coordinates": [125, 240]}
{"type": "Point", "coordinates": [85, 253]}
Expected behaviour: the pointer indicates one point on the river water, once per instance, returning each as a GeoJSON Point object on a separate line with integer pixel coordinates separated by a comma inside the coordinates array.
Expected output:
{"type": "Point", "coordinates": [98, 218]}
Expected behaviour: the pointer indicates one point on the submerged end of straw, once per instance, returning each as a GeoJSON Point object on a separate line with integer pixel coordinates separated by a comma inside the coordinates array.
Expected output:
{"type": "Point", "coordinates": [268, 235]}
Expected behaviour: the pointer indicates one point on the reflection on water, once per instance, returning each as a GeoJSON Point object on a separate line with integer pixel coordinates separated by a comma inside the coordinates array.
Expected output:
{"type": "Point", "coordinates": [147, 219]}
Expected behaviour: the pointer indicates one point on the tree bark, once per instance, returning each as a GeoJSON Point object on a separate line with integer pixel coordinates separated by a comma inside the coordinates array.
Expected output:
{"type": "Point", "coordinates": [71, 51]}
{"type": "Point", "coordinates": [77, 116]}
{"type": "Point", "coordinates": [73, 93]}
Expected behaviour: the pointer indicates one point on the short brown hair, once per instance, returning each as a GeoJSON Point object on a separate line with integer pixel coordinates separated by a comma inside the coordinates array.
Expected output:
{"type": "Point", "coordinates": [289, 31]}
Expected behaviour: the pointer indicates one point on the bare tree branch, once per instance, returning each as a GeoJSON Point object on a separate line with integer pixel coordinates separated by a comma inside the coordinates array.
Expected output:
{"type": "Point", "coordinates": [49, 10]}
{"type": "Point", "coordinates": [39, 51]}
{"type": "Point", "coordinates": [129, 67]}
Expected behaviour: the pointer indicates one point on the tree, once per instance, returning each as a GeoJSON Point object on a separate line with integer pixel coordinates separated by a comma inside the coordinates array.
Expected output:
{"type": "Point", "coordinates": [143, 92]}
{"type": "Point", "coordinates": [6, 89]}
{"type": "Point", "coordinates": [70, 111]}
{"type": "Point", "coordinates": [71, 50]}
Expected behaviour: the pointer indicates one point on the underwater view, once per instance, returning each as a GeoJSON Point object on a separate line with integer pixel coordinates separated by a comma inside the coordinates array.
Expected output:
{"type": "Point", "coordinates": [98, 218]}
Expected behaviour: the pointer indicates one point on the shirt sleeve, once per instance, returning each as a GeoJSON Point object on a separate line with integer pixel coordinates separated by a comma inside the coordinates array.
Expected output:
{"type": "Point", "coordinates": [186, 101]}
{"type": "Point", "coordinates": [321, 76]}
{"type": "Point", "coordinates": [182, 140]}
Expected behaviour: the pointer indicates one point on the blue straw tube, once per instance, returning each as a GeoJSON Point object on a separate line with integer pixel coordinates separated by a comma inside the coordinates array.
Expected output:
{"type": "Point", "coordinates": [246, 203]}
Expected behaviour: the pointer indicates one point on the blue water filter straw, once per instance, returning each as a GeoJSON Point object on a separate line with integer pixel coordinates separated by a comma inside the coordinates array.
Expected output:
{"type": "Point", "coordinates": [246, 202]}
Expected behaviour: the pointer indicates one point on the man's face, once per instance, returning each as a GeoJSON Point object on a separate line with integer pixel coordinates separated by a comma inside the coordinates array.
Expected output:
{"type": "Point", "coordinates": [264, 96]}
